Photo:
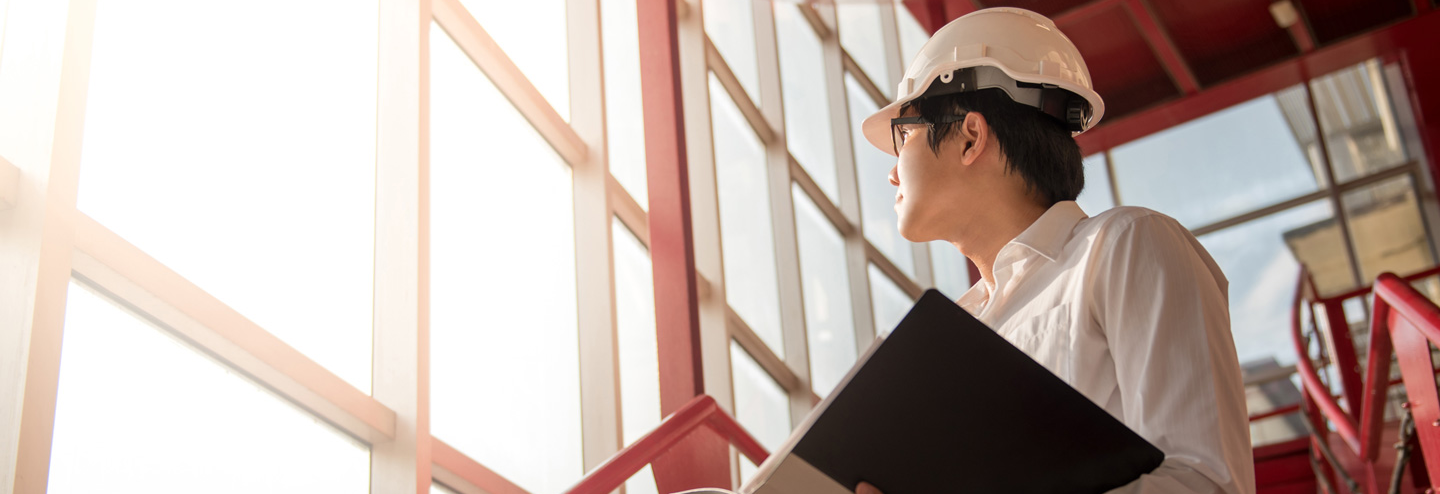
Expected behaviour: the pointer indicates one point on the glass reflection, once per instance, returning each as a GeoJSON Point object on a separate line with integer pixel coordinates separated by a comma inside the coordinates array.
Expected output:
{"type": "Point", "coordinates": [877, 196]}
{"type": "Point", "coordinates": [829, 320]}
{"type": "Point", "coordinates": [140, 412]}
{"type": "Point", "coordinates": [502, 280]}
{"type": "Point", "coordinates": [1361, 133]}
{"type": "Point", "coordinates": [245, 163]}
{"type": "Point", "coordinates": [746, 238]}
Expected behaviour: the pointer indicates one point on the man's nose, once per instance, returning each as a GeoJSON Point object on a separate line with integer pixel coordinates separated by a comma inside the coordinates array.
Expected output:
{"type": "Point", "coordinates": [895, 175]}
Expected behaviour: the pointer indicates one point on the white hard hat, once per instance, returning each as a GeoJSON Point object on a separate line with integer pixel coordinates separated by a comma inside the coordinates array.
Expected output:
{"type": "Point", "coordinates": [1015, 50]}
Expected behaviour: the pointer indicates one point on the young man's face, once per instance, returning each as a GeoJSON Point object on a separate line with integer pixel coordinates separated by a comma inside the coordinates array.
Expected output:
{"type": "Point", "coordinates": [932, 187]}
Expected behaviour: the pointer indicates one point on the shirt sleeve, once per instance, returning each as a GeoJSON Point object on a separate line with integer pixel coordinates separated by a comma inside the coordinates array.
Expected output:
{"type": "Point", "coordinates": [1161, 303]}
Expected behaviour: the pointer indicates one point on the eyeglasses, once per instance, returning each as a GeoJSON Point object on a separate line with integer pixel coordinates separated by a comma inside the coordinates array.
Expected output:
{"type": "Point", "coordinates": [902, 128]}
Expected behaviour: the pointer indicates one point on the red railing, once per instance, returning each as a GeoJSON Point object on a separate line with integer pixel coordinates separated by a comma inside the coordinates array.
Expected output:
{"type": "Point", "coordinates": [1404, 321]}
{"type": "Point", "coordinates": [702, 411]}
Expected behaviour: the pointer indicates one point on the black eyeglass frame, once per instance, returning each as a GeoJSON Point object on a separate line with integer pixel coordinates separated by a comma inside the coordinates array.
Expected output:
{"type": "Point", "coordinates": [898, 140]}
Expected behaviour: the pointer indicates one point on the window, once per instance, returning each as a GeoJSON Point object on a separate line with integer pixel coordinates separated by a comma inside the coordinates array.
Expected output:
{"type": "Point", "coordinates": [829, 320]}
{"type": "Point", "coordinates": [761, 405]}
{"type": "Point", "coordinates": [1096, 197]}
{"type": "Point", "coordinates": [502, 278]}
{"type": "Point", "coordinates": [173, 419]}
{"type": "Point", "coordinates": [533, 35]}
{"type": "Point", "coordinates": [888, 302]}
{"type": "Point", "coordinates": [1233, 161]}
{"type": "Point", "coordinates": [863, 36]}
{"type": "Point", "coordinates": [1260, 260]}
{"type": "Point", "coordinates": [1361, 132]}
{"type": "Point", "coordinates": [877, 196]}
{"type": "Point", "coordinates": [264, 195]}
{"type": "Point", "coordinates": [639, 357]}
{"type": "Point", "coordinates": [807, 105]}
{"type": "Point", "coordinates": [747, 240]}
{"type": "Point", "coordinates": [731, 26]}
{"type": "Point", "coordinates": [1387, 228]}
{"type": "Point", "coordinates": [952, 271]}
{"type": "Point", "coordinates": [624, 118]}
{"type": "Point", "coordinates": [912, 35]}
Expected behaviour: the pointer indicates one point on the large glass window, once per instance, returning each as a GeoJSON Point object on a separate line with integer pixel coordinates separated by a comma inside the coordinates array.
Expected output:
{"type": "Point", "coordinates": [912, 35]}
{"type": "Point", "coordinates": [829, 319]}
{"type": "Point", "coordinates": [807, 106]}
{"type": "Point", "coordinates": [1260, 260]}
{"type": "Point", "coordinates": [877, 196]}
{"type": "Point", "coordinates": [639, 357]}
{"type": "Point", "coordinates": [761, 405]}
{"type": "Point", "coordinates": [504, 348]}
{"type": "Point", "coordinates": [1096, 197]}
{"type": "Point", "coordinates": [1387, 228]}
{"type": "Point", "coordinates": [532, 33]}
{"type": "Point", "coordinates": [888, 302]}
{"type": "Point", "coordinates": [747, 240]}
{"type": "Point", "coordinates": [139, 412]}
{"type": "Point", "coordinates": [731, 26]}
{"type": "Point", "coordinates": [1360, 128]}
{"type": "Point", "coordinates": [1221, 165]}
{"type": "Point", "coordinates": [952, 272]}
{"type": "Point", "coordinates": [245, 162]}
{"type": "Point", "coordinates": [863, 37]}
{"type": "Point", "coordinates": [624, 116]}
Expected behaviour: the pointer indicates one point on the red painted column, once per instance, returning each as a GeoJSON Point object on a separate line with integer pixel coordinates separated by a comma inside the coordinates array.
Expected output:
{"type": "Point", "coordinates": [702, 458]}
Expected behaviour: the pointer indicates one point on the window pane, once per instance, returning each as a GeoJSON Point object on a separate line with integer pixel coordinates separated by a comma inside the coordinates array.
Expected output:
{"type": "Point", "coordinates": [1360, 128]}
{"type": "Point", "coordinates": [532, 34]}
{"type": "Point", "coordinates": [246, 163]}
{"type": "Point", "coordinates": [1387, 228]}
{"type": "Point", "coordinates": [952, 272]}
{"type": "Point", "coordinates": [502, 302]}
{"type": "Point", "coordinates": [1218, 166]}
{"type": "Point", "coordinates": [888, 302]}
{"type": "Point", "coordinates": [1095, 198]}
{"type": "Point", "coordinates": [624, 119]}
{"type": "Point", "coordinates": [1262, 271]}
{"type": "Point", "coordinates": [746, 238]}
{"type": "Point", "coordinates": [829, 319]}
{"type": "Point", "coordinates": [761, 405]}
{"type": "Point", "coordinates": [138, 411]}
{"type": "Point", "coordinates": [643, 482]}
{"type": "Point", "coordinates": [807, 106]}
{"type": "Point", "coordinates": [864, 38]}
{"type": "Point", "coordinates": [731, 26]}
{"type": "Point", "coordinates": [877, 196]}
{"type": "Point", "coordinates": [635, 329]}
{"type": "Point", "coordinates": [912, 35]}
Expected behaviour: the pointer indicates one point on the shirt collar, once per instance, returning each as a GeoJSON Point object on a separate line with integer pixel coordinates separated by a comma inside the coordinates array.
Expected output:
{"type": "Point", "coordinates": [1049, 233]}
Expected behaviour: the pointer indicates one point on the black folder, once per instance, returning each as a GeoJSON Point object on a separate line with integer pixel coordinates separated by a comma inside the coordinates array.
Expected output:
{"type": "Point", "coordinates": [944, 404]}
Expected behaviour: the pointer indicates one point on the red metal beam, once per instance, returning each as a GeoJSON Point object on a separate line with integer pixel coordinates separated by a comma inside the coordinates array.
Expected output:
{"type": "Point", "coordinates": [1085, 11]}
{"type": "Point", "coordinates": [700, 459]}
{"type": "Point", "coordinates": [1160, 43]}
{"type": "Point", "coordinates": [955, 9]}
{"type": "Point", "coordinates": [1393, 40]}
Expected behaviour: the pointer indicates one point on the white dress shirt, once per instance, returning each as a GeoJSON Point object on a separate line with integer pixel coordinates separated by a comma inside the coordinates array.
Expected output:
{"type": "Point", "coordinates": [1130, 310]}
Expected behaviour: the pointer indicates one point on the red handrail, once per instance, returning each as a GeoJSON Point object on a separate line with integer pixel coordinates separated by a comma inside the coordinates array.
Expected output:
{"type": "Point", "coordinates": [1311, 379]}
{"type": "Point", "coordinates": [699, 411]}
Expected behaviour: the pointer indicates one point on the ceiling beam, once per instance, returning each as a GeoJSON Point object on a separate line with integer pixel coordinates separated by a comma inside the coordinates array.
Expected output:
{"type": "Point", "coordinates": [1084, 12]}
{"type": "Point", "coordinates": [1160, 43]}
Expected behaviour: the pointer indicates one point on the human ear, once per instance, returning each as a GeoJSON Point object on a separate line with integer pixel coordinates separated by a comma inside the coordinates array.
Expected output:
{"type": "Point", "coordinates": [975, 130]}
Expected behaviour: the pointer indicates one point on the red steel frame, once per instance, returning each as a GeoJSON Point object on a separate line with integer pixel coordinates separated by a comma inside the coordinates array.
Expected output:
{"type": "Point", "coordinates": [700, 414]}
{"type": "Point", "coordinates": [1402, 320]}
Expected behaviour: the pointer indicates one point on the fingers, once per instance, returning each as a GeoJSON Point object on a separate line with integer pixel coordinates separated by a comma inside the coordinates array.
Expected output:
{"type": "Point", "coordinates": [866, 488]}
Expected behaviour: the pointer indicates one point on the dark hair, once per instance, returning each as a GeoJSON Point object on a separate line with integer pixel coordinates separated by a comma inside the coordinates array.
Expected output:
{"type": "Point", "coordinates": [1035, 145]}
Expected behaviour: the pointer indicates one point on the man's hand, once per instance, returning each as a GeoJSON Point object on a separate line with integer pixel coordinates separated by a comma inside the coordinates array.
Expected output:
{"type": "Point", "coordinates": [866, 488]}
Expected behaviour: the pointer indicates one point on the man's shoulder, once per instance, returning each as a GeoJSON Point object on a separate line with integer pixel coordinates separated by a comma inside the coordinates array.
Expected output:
{"type": "Point", "coordinates": [1134, 219]}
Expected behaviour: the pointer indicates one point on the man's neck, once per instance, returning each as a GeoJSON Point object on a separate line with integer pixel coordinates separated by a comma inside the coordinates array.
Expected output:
{"type": "Point", "coordinates": [989, 233]}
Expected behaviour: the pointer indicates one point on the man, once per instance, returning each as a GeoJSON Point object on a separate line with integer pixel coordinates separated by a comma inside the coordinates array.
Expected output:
{"type": "Point", "coordinates": [1126, 307]}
